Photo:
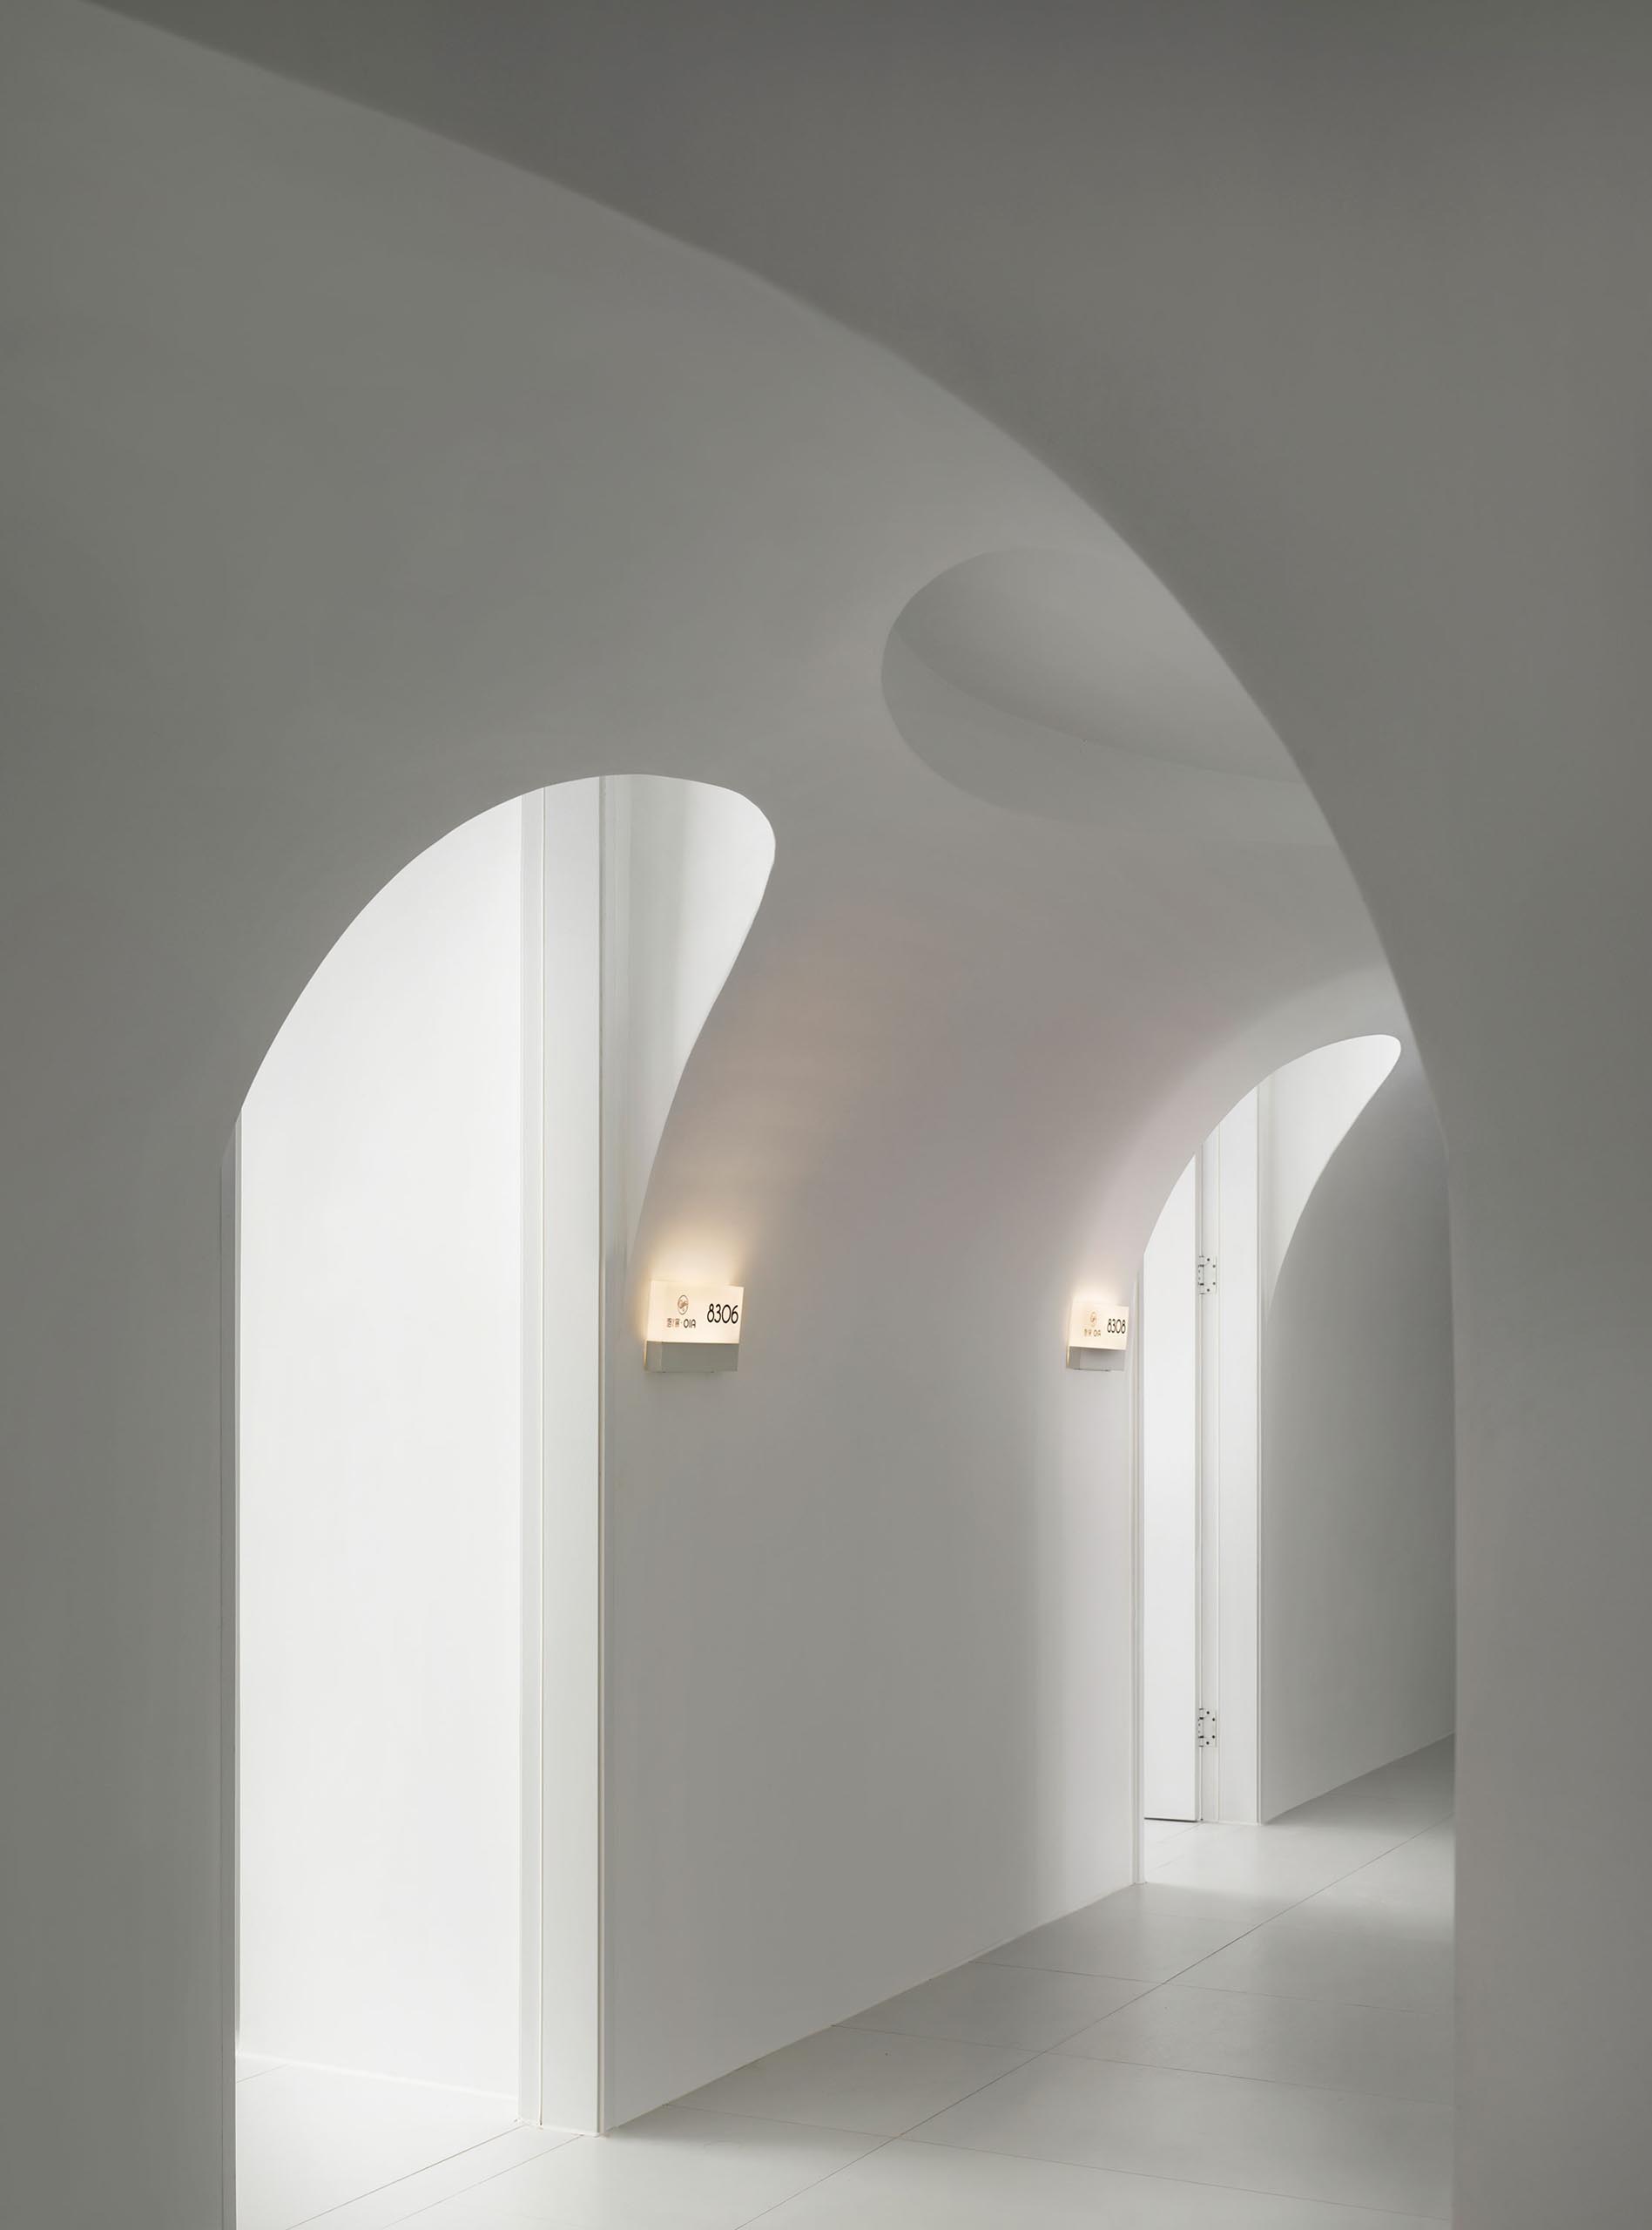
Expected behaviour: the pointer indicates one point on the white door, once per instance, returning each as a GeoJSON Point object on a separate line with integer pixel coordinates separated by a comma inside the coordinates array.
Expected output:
{"type": "Point", "coordinates": [1170, 1510]}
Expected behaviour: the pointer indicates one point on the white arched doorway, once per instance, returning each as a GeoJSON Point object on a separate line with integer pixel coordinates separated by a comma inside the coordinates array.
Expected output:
{"type": "Point", "coordinates": [1294, 1449]}
{"type": "Point", "coordinates": [437, 1179]}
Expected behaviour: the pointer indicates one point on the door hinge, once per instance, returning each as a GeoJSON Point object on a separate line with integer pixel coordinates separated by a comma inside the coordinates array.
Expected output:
{"type": "Point", "coordinates": [1206, 1724]}
{"type": "Point", "coordinates": [1204, 1273]}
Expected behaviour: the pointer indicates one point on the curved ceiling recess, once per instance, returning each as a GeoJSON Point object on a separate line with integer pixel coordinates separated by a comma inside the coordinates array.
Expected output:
{"type": "Point", "coordinates": [697, 859]}
{"type": "Point", "coordinates": [1075, 686]}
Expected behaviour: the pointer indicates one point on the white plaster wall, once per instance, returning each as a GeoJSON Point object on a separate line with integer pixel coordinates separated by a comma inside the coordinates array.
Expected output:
{"type": "Point", "coordinates": [693, 861]}
{"type": "Point", "coordinates": [365, 483]}
{"type": "Point", "coordinates": [1325, 311]}
{"type": "Point", "coordinates": [380, 1555]}
{"type": "Point", "coordinates": [357, 484]}
{"type": "Point", "coordinates": [1168, 1327]}
{"type": "Point", "coordinates": [642, 889]}
{"type": "Point", "coordinates": [1357, 1579]}
{"type": "Point", "coordinates": [1306, 1110]}
{"type": "Point", "coordinates": [869, 1654]}
{"type": "Point", "coordinates": [1235, 1308]}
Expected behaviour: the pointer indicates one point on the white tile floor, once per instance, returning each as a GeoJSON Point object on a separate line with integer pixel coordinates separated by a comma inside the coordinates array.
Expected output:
{"type": "Point", "coordinates": [309, 2139]}
{"type": "Point", "coordinates": [1257, 2038]}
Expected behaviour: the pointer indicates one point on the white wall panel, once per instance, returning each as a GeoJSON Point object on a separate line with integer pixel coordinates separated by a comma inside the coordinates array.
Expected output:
{"type": "Point", "coordinates": [380, 1468]}
{"type": "Point", "coordinates": [1171, 1531]}
{"type": "Point", "coordinates": [1358, 1511]}
{"type": "Point", "coordinates": [1236, 1328]}
{"type": "Point", "coordinates": [363, 482]}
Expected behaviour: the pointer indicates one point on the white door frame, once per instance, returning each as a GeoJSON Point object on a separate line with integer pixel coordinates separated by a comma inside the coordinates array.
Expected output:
{"type": "Point", "coordinates": [1221, 1566]}
{"type": "Point", "coordinates": [1207, 1440]}
{"type": "Point", "coordinates": [229, 1383]}
{"type": "Point", "coordinates": [567, 963]}
{"type": "Point", "coordinates": [1170, 1466]}
{"type": "Point", "coordinates": [568, 970]}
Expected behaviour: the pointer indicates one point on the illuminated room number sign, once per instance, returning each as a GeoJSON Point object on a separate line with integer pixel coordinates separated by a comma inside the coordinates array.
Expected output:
{"type": "Point", "coordinates": [681, 1314]}
{"type": "Point", "coordinates": [1098, 1324]}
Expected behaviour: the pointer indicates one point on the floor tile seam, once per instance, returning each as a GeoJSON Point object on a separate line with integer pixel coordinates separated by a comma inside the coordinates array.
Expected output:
{"type": "Point", "coordinates": [890, 2137]}
{"type": "Point", "coordinates": [1293, 1906]}
{"type": "Point", "coordinates": [876, 2140]}
{"type": "Point", "coordinates": [1156, 2176]}
{"type": "Point", "coordinates": [1408, 1835]}
{"type": "Point", "coordinates": [873, 2137]}
{"type": "Point", "coordinates": [1231, 2075]}
{"type": "Point", "coordinates": [1287, 1996]}
{"type": "Point", "coordinates": [1292, 1903]}
{"type": "Point", "coordinates": [1387, 1850]}
{"type": "Point", "coordinates": [1321, 1998]}
{"type": "Point", "coordinates": [929, 2036]}
{"type": "Point", "coordinates": [1087, 1974]}
{"type": "Point", "coordinates": [842, 2168]}
{"type": "Point", "coordinates": [878, 2136]}
{"type": "Point", "coordinates": [1049, 2051]}
{"type": "Point", "coordinates": [1003, 2075]}
{"type": "Point", "coordinates": [1335, 1883]}
{"type": "Point", "coordinates": [1416, 1835]}
{"type": "Point", "coordinates": [562, 2140]}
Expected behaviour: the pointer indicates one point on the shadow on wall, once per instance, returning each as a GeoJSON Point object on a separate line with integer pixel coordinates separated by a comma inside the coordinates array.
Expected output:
{"type": "Point", "coordinates": [1358, 1511]}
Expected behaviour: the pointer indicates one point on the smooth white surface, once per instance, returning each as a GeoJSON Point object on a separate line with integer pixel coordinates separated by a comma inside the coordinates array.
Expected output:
{"type": "Point", "coordinates": [918, 2187]}
{"type": "Point", "coordinates": [562, 1385]}
{"type": "Point", "coordinates": [860, 2080]}
{"type": "Point", "coordinates": [1233, 1321]}
{"type": "Point", "coordinates": [1146, 1933]}
{"type": "Point", "coordinates": [379, 1485]}
{"type": "Point", "coordinates": [447, 518]}
{"type": "Point", "coordinates": [1180, 2107]}
{"type": "Point", "coordinates": [676, 2170]}
{"type": "Point", "coordinates": [1052, 681]}
{"type": "Point", "coordinates": [357, 485]}
{"type": "Point", "coordinates": [1358, 1504]}
{"type": "Point", "coordinates": [1203, 2086]}
{"type": "Point", "coordinates": [1201, 1392]}
{"type": "Point", "coordinates": [1329, 2043]}
{"type": "Point", "coordinates": [461, 2172]}
{"type": "Point", "coordinates": [988, 2002]}
{"type": "Point", "coordinates": [695, 861]}
{"type": "Point", "coordinates": [1311, 1105]}
{"type": "Point", "coordinates": [1349, 2149]}
{"type": "Point", "coordinates": [1379, 1474]}
{"type": "Point", "coordinates": [1168, 1329]}
{"type": "Point", "coordinates": [311, 2140]}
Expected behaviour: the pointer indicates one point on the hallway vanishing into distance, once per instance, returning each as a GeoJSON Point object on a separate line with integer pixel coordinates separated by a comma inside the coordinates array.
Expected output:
{"type": "Point", "coordinates": [823, 942]}
{"type": "Point", "coordinates": [1258, 2036]}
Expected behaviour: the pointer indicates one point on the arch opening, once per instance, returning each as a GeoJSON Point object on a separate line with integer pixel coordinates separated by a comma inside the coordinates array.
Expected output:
{"type": "Point", "coordinates": [1295, 1458]}
{"type": "Point", "coordinates": [439, 1170]}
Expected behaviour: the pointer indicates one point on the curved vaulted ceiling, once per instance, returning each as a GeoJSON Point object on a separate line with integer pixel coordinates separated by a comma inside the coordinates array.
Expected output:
{"type": "Point", "coordinates": [1318, 308]}
{"type": "Point", "coordinates": [360, 480]}
{"type": "Point", "coordinates": [1075, 686]}
{"type": "Point", "coordinates": [356, 481]}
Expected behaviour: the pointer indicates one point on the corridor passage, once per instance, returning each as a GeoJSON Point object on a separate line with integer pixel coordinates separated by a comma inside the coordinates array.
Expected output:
{"type": "Point", "coordinates": [1257, 2038]}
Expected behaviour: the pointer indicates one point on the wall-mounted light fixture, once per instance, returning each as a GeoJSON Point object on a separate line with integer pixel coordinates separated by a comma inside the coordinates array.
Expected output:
{"type": "Point", "coordinates": [692, 1327]}
{"type": "Point", "coordinates": [1098, 1332]}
